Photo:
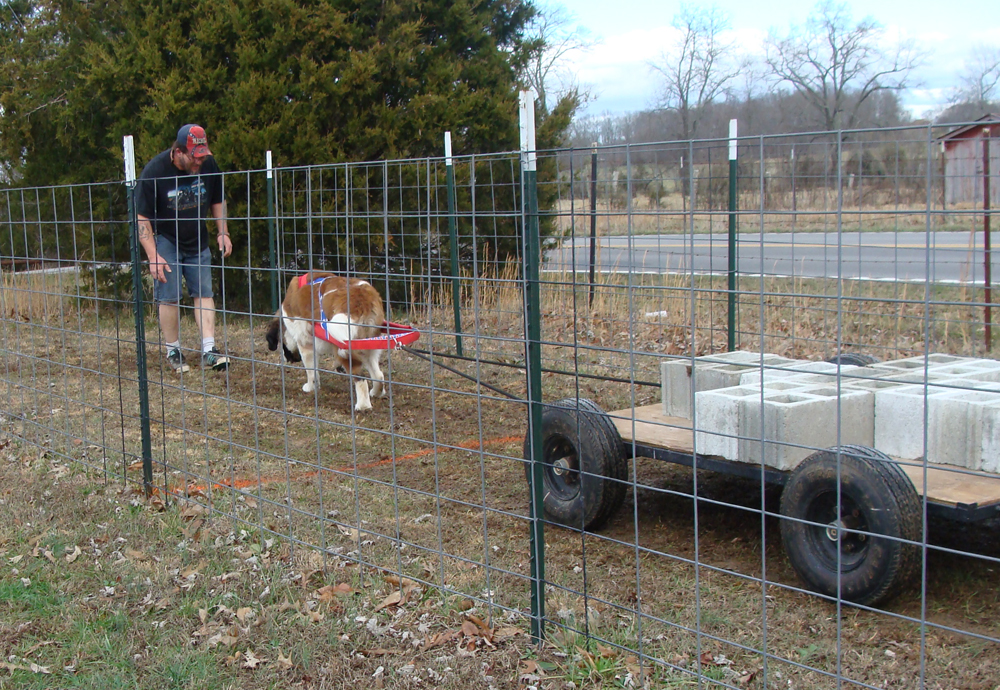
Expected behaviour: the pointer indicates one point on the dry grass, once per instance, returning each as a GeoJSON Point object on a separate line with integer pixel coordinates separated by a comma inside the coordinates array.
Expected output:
{"type": "Point", "coordinates": [816, 211]}
{"type": "Point", "coordinates": [293, 492]}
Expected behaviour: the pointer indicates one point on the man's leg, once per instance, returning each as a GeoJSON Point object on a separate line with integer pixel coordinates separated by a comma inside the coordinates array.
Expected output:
{"type": "Point", "coordinates": [198, 274]}
{"type": "Point", "coordinates": [170, 322]}
{"type": "Point", "coordinates": [168, 297]}
{"type": "Point", "coordinates": [204, 316]}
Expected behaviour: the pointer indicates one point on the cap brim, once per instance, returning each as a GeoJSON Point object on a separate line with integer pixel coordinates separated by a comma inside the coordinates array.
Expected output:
{"type": "Point", "coordinates": [200, 152]}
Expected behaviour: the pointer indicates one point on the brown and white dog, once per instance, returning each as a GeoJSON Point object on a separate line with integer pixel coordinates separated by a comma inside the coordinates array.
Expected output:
{"type": "Point", "coordinates": [347, 309]}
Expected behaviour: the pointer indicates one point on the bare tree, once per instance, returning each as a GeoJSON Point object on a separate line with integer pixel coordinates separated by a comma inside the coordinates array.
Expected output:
{"type": "Point", "coordinates": [836, 65]}
{"type": "Point", "coordinates": [700, 66]}
{"type": "Point", "coordinates": [552, 41]}
{"type": "Point", "coordinates": [980, 77]}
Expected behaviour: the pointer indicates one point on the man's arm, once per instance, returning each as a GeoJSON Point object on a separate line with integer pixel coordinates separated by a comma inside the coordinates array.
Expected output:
{"type": "Point", "coordinates": [225, 241]}
{"type": "Point", "coordinates": [157, 266]}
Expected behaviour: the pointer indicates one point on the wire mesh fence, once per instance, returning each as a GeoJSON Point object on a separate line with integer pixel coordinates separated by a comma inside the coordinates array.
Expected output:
{"type": "Point", "coordinates": [770, 467]}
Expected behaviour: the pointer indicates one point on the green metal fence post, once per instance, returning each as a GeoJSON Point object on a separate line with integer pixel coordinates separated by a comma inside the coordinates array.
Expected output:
{"type": "Point", "coordinates": [593, 220]}
{"type": "Point", "coordinates": [140, 323]}
{"type": "Point", "coordinates": [732, 235]}
{"type": "Point", "coordinates": [532, 259]}
{"type": "Point", "coordinates": [272, 237]}
{"type": "Point", "coordinates": [456, 288]}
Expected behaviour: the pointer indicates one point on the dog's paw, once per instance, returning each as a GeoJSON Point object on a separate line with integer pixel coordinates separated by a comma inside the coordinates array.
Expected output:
{"type": "Point", "coordinates": [308, 387]}
{"type": "Point", "coordinates": [363, 408]}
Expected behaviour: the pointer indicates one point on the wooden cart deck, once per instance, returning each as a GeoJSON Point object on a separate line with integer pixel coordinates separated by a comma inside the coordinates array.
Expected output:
{"type": "Point", "coordinates": [946, 487]}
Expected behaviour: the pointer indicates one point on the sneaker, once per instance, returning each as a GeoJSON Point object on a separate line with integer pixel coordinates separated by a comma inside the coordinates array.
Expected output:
{"type": "Point", "coordinates": [215, 359]}
{"type": "Point", "coordinates": [175, 358]}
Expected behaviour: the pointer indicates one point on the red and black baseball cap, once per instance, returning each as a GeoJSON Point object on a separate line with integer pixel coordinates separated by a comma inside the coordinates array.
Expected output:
{"type": "Point", "coordinates": [195, 140]}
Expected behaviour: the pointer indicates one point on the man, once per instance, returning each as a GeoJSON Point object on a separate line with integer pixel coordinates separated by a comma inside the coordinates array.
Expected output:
{"type": "Point", "coordinates": [173, 196]}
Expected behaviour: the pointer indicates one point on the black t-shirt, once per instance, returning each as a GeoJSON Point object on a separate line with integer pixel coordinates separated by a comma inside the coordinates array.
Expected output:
{"type": "Point", "coordinates": [179, 204]}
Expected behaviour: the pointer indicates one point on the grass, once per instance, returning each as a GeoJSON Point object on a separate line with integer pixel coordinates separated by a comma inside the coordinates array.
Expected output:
{"type": "Point", "coordinates": [814, 213]}
{"type": "Point", "coordinates": [266, 496]}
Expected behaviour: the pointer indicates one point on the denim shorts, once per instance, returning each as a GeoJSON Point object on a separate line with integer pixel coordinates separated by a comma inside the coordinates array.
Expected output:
{"type": "Point", "coordinates": [196, 269]}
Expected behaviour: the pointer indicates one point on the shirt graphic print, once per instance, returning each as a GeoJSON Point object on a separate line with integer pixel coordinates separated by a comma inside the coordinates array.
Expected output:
{"type": "Point", "coordinates": [187, 197]}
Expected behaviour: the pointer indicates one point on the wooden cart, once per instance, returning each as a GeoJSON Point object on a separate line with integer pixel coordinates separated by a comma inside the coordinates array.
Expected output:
{"type": "Point", "coordinates": [852, 517]}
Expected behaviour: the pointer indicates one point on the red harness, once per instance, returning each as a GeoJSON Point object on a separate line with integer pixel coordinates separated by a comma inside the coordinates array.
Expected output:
{"type": "Point", "coordinates": [394, 335]}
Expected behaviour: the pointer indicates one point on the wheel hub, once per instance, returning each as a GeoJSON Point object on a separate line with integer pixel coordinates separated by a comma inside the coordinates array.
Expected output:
{"type": "Point", "coordinates": [836, 528]}
{"type": "Point", "coordinates": [561, 467]}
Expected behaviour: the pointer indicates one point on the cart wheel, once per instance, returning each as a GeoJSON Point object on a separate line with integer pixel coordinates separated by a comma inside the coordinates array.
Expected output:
{"type": "Point", "coordinates": [853, 359]}
{"type": "Point", "coordinates": [876, 498]}
{"type": "Point", "coordinates": [584, 464]}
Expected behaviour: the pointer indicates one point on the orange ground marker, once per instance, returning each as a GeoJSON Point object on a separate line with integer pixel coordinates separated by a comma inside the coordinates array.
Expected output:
{"type": "Point", "coordinates": [246, 483]}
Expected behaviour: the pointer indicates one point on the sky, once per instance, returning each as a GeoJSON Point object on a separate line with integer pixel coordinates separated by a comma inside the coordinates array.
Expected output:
{"type": "Point", "coordinates": [632, 33]}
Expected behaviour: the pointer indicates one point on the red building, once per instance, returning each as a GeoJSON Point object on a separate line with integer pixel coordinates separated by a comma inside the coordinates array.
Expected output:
{"type": "Point", "coordinates": [963, 163]}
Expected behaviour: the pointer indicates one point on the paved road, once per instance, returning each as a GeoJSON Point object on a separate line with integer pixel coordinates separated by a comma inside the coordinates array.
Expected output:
{"type": "Point", "coordinates": [871, 256]}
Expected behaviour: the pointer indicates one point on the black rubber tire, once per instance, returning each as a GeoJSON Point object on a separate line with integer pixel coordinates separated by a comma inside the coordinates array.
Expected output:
{"type": "Point", "coordinates": [579, 494]}
{"type": "Point", "coordinates": [853, 359]}
{"type": "Point", "coordinates": [877, 498]}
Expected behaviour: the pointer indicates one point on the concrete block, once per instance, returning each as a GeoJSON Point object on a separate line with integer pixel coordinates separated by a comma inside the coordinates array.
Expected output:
{"type": "Point", "coordinates": [899, 419]}
{"type": "Point", "coordinates": [795, 369]}
{"type": "Point", "coordinates": [956, 430]}
{"type": "Point", "coordinates": [682, 376]}
{"type": "Point", "coordinates": [797, 423]}
{"type": "Point", "coordinates": [872, 385]}
{"type": "Point", "coordinates": [773, 428]}
{"type": "Point", "coordinates": [854, 412]}
{"type": "Point", "coordinates": [990, 450]}
{"type": "Point", "coordinates": [984, 370]}
{"type": "Point", "coordinates": [932, 361]}
{"type": "Point", "coordinates": [717, 420]}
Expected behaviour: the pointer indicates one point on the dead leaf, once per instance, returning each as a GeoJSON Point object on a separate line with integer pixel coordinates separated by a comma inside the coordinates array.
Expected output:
{"type": "Point", "coordinates": [193, 510]}
{"type": "Point", "coordinates": [192, 571]}
{"type": "Point", "coordinates": [250, 660]}
{"type": "Point", "coordinates": [378, 651]}
{"type": "Point", "coordinates": [529, 667]}
{"type": "Point", "coordinates": [508, 632]}
{"type": "Point", "coordinates": [284, 662]}
{"type": "Point", "coordinates": [70, 557]}
{"type": "Point", "coordinates": [606, 652]}
{"type": "Point", "coordinates": [136, 555]}
{"type": "Point", "coordinates": [242, 613]}
{"type": "Point", "coordinates": [469, 629]}
{"type": "Point", "coordinates": [440, 638]}
{"type": "Point", "coordinates": [707, 659]}
{"type": "Point", "coordinates": [192, 530]}
{"type": "Point", "coordinates": [330, 592]}
{"type": "Point", "coordinates": [351, 532]}
{"type": "Point", "coordinates": [251, 502]}
{"type": "Point", "coordinates": [393, 599]}
{"type": "Point", "coordinates": [484, 630]}
{"type": "Point", "coordinates": [405, 584]}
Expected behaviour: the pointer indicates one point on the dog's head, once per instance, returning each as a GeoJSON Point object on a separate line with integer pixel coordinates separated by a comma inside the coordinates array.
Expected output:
{"type": "Point", "coordinates": [275, 335]}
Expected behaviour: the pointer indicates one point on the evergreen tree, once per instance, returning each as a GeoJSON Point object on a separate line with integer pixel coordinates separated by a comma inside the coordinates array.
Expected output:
{"type": "Point", "coordinates": [314, 81]}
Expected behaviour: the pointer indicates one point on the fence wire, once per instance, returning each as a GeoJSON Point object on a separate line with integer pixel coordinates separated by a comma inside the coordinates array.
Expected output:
{"type": "Point", "coordinates": [704, 485]}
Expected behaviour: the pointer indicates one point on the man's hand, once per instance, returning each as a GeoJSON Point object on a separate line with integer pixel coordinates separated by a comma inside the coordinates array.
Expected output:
{"type": "Point", "coordinates": [225, 244]}
{"type": "Point", "coordinates": [159, 268]}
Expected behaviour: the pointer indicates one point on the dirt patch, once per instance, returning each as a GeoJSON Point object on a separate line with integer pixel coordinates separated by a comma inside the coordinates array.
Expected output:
{"type": "Point", "coordinates": [430, 485]}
